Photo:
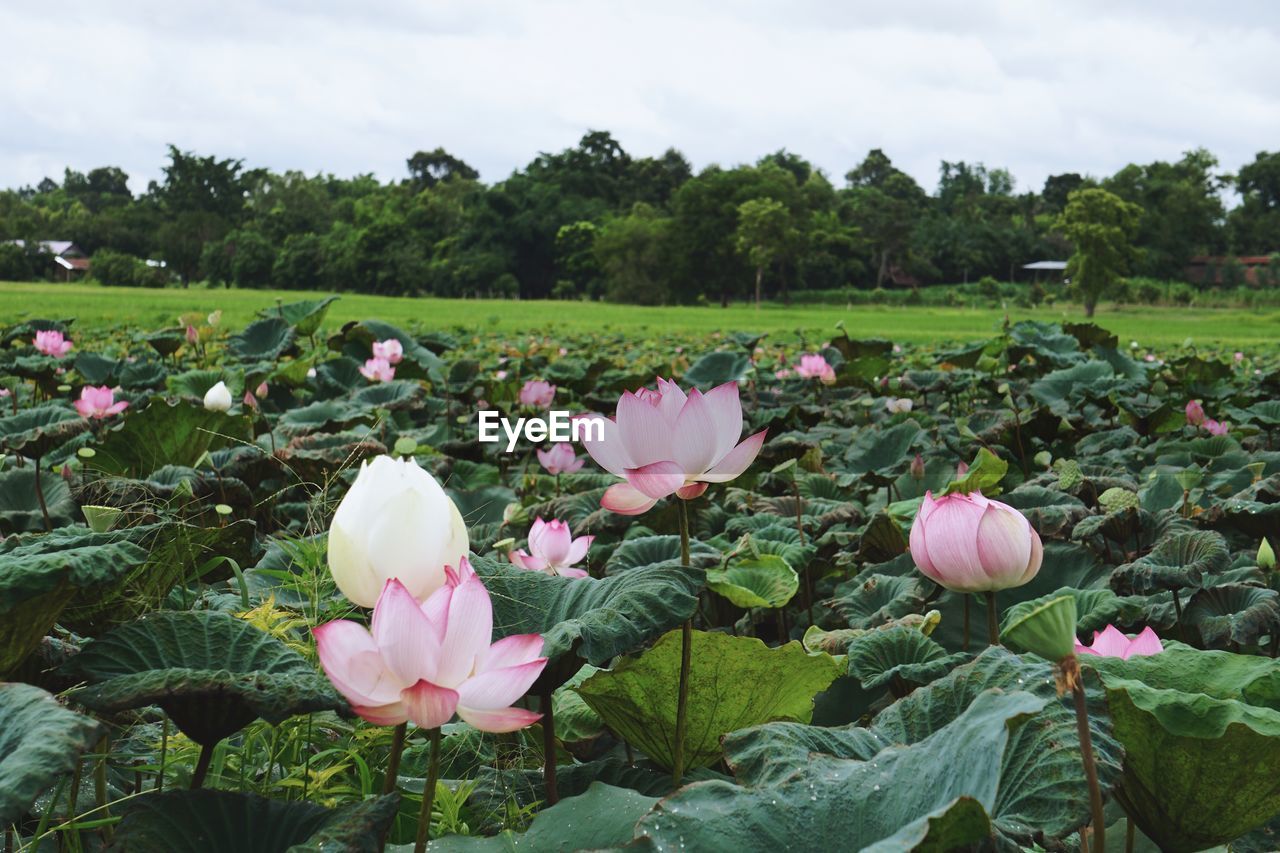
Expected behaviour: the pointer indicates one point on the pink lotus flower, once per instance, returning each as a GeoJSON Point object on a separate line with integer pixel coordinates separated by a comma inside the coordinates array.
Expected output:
{"type": "Point", "coordinates": [969, 543]}
{"type": "Point", "coordinates": [1195, 413]}
{"type": "Point", "coordinates": [98, 403]}
{"type": "Point", "coordinates": [391, 350]}
{"type": "Point", "coordinates": [665, 442]}
{"type": "Point", "coordinates": [378, 370]}
{"type": "Point", "coordinates": [424, 662]}
{"type": "Point", "coordinates": [193, 336]}
{"type": "Point", "coordinates": [552, 549]}
{"type": "Point", "coordinates": [250, 401]}
{"type": "Point", "coordinates": [897, 405]}
{"type": "Point", "coordinates": [52, 343]}
{"type": "Point", "coordinates": [1214, 427]}
{"type": "Point", "coordinates": [1111, 643]}
{"type": "Point", "coordinates": [500, 375]}
{"type": "Point", "coordinates": [814, 366]}
{"type": "Point", "coordinates": [560, 459]}
{"type": "Point", "coordinates": [1239, 357]}
{"type": "Point", "coordinates": [4, 392]}
{"type": "Point", "coordinates": [537, 393]}
{"type": "Point", "coordinates": [784, 373]}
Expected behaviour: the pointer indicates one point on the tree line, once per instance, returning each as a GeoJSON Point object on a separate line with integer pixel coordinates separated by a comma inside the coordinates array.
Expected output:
{"type": "Point", "coordinates": [593, 221]}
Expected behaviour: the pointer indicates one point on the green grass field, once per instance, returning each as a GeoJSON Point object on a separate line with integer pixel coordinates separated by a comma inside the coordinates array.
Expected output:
{"type": "Point", "coordinates": [94, 306]}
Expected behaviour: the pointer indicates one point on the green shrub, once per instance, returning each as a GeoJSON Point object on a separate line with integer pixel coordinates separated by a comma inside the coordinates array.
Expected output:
{"type": "Point", "coordinates": [119, 269]}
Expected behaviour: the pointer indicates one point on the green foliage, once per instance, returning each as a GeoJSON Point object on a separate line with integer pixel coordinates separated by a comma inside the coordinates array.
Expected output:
{"type": "Point", "coordinates": [40, 741]}
{"type": "Point", "coordinates": [1101, 226]}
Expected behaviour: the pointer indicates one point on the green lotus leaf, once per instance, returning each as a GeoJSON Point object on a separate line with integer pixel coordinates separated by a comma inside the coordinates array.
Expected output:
{"type": "Point", "coordinates": [648, 551]}
{"type": "Point", "coordinates": [896, 801]}
{"type": "Point", "coordinates": [717, 368]}
{"type": "Point", "coordinates": [196, 383]}
{"type": "Point", "coordinates": [1041, 791]}
{"type": "Point", "coordinates": [879, 451]}
{"type": "Point", "coordinates": [602, 817]}
{"type": "Point", "coordinates": [263, 340]}
{"type": "Point", "coordinates": [212, 673]}
{"type": "Point", "coordinates": [305, 315]}
{"type": "Point", "coordinates": [394, 395]}
{"type": "Point", "coordinates": [734, 682]}
{"type": "Point", "coordinates": [899, 654]}
{"type": "Point", "coordinates": [166, 434]}
{"type": "Point", "coordinates": [1234, 613]}
{"type": "Point", "coordinates": [866, 602]}
{"type": "Point", "coordinates": [1178, 561]}
{"type": "Point", "coordinates": [20, 506]}
{"type": "Point", "coordinates": [356, 341]}
{"type": "Point", "coordinates": [166, 341]}
{"type": "Point", "coordinates": [199, 821]}
{"type": "Point", "coordinates": [764, 581]}
{"type": "Point", "coordinates": [321, 415]}
{"type": "Point", "coordinates": [600, 619]}
{"type": "Point", "coordinates": [1197, 727]}
{"type": "Point", "coordinates": [36, 431]}
{"type": "Point", "coordinates": [39, 741]}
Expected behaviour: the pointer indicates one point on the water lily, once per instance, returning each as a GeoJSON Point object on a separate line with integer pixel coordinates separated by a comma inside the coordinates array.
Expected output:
{"type": "Point", "coordinates": [814, 366]}
{"type": "Point", "coordinates": [378, 370]}
{"type": "Point", "coordinates": [52, 343]}
{"type": "Point", "coordinates": [1195, 413]}
{"type": "Point", "coordinates": [98, 403]}
{"type": "Point", "coordinates": [560, 459]}
{"type": "Point", "coordinates": [552, 549]}
{"type": "Point", "coordinates": [897, 405]}
{"type": "Point", "coordinates": [425, 662]}
{"type": "Point", "coordinates": [537, 393]}
{"type": "Point", "coordinates": [218, 398]}
{"type": "Point", "coordinates": [970, 543]}
{"type": "Point", "coordinates": [665, 442]}
{"type": "Point", "coordinates": [1111, 643]}
{"type": "Point", "coordinates": [391, 350]}
{"type": "Point", "coordinates": [394, 522]}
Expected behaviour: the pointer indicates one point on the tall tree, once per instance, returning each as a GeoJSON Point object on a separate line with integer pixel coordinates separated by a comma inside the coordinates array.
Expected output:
{"type": "Point", "coordinates": [1255, 224]}
{"type": "Point", "coordinates": [428, 168]}
{"type": "Point", "coordinates": [763, 235]}
{"type": "Point", "coordinates": [887, 204]}
{"type": "Point", "coordinates": [1101, 225]}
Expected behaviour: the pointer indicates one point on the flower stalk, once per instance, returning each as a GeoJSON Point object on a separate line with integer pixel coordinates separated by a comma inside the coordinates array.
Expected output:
{"type": "Point", "coordinates": [686, 655]}
{"type": "Point", "coordinates": [428, 794]}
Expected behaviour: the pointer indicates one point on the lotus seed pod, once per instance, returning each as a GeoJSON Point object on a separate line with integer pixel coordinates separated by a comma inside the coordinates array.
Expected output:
{"type": "Point", "coordinates": [1048, 629]}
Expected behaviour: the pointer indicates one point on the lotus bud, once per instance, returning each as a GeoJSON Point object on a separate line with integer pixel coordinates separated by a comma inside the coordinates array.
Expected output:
{"type": "Point", "coordinates": [394, 522]}
{"type": "Point", "coordinates": [969, 543]}
{"type": "Point", "coordinates": [917, 467]}
{"type": "Point", "coordinates": [1266, 556]}
{"type": "Point", "coordinates": [218, 398]}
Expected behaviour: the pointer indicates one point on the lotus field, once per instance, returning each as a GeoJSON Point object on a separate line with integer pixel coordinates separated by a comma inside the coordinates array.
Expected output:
{"type": "Point", "coordinates": [301, 586]}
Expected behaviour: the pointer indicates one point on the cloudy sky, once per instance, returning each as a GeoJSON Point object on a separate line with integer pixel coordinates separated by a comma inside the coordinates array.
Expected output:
{"type": "Point", "coordinates": [358, 86]}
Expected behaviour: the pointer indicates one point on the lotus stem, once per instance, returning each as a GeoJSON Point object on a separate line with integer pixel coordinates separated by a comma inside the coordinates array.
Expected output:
{"type": "Point", "coordinates": [1071, 674]}
{"type": "Point", "coordinates": [1177, 609]}
{"type": "Point", "coordinates": [393, 760]}
{"type": "Point", "coordinates": [549, 748]}
{"type": "Point", "coordinates": [686, 655]}
{"type": "Point", "coordinates": [428, 794]}
{"type": "Point", "coordinates": [73, 800]}
{"type": "Point", "coordinates": [1128, 835]}
{"type": "Point", "coordinates": [164, 751]}
{"type": "Point", "coordinates": [44, 508]}
{"type": "Point", "coordinates": [993, 619]}
{"type": "Point", "coordinates": [100, 789]}
{"type": "Point", "coordinates": [964, 596]}
{"type": "Point", "coordinates": [202, 766]}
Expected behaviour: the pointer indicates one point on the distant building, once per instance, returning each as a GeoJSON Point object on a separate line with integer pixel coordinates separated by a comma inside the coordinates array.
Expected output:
{"type": "Point", "coordinates": [1218, 269]}
{"type": "Point", "coordinates": [70, 261]}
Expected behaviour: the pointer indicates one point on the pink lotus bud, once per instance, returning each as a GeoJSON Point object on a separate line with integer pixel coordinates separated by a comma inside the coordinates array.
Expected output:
{"type": "Point", "coordinates": [52, 343]}
{"type": "Point", "coordinates": [969, 543]}
{"type": "Point", "coordinates": [1239, 357]}
{"type": "Point", "coordinates": [560, 459]}
{"type": "Point", "coordinates": [193, 336]}
{"type": "Point", "coordinates": [500, 375]}
{"type": "Point", "coordinates": [917, 467]}
{"type": "Point", "coordinates": [1111, 643]}
{"type": "Point", "coordinates": [1195, 413]}
{"type": "Point", "coordinates": [537, 393]}
{"type": "Point", "coordinates": [250, 401]}
{"type": "Point", "coordinates": [552, 549]}
{"type": "Point", "coordinates": [425, 662]}
{"type": "Point", "coordinates": [898, 405]}
{"type": "Point", "coordinates": [962, 468]}
{"type": "Point", "coordinates": [378, 370]}
{"type": "Point", "coordinates": [784, 373]}
{"type": "Point", "coordinates": [391, 350]}
{"type": "Point", "coordinates": [1214, 427]}
{"type": "Point", "coordinates": [814, 366]}
{"type": "Point", "coordinates": [261, 390]}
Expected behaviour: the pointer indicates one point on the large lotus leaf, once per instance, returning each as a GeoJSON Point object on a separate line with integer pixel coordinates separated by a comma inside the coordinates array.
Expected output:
{"type": "Point", "coordinates": [321, 415]}
{"type": "Point", "coordinates": [20, 506]}
{"type": "Point", "coordinates": [485, 505]}
{"type": "Point", "coordinates": [601, 618]}
{"type": "Point", "coordinates": [1201, 733]}
{"type": "Point", "coordinates": [1178, 561]}
{"type": "Point", "coordinates": [931, 795]}
{"type": "Point", "coordinates": [1042, 791]}
{"type": "Point", "coordinates": [36, 431]}
{"type": "Point", "coordinates": [39, 741]}
{"type": "Point", "coordinates": [649, 551]}
{"type": "Point", "coordinates": [866, 602]}
{"type": "Point", "coordinates": [196, 383]}
{"type": "Point", "coordinates": [394, 395]}
{"type": "Point", "coordinates": [356, 340]}
{"type": "Point", "coordinates": [305, 315]}
{"type": "Point", "coordinates": [96, 369]}
{"type": "Point", "coordinates": [899, 654]}
{"type": "Point", "coordinates": [1095, 608]}
{"type": "Point", "coordinates": [602, 817]}
{"type": "Point", "coordinates": [39, 576]}
{"type": "Point", "coordinates": [1051, 512]}
{"type": "Point", "coordinates": [879, 451]}
{"type": "Point", "coordinates": [262, 340]}
{"type": "Point", "coordinates": [212, 673]}
{"type": "Point", "coordinates": [734, 682]}
{"type": "Point", "coordinates": [717, 368]}
{"type": "Point", "coordinates": [167, 434]}
{"type": "Point", "coordinates": [200, 821]}
{"type": "Point", "coordinates": [764, 581]}
{"type": "Point", "coordinates": [1234, 613]}
{"type": "Point", "coordinates": [1063, 391]}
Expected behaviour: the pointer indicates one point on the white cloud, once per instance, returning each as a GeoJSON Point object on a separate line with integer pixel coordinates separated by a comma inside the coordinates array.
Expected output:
{"type": "Point", "coordinates": [1036, 87]}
